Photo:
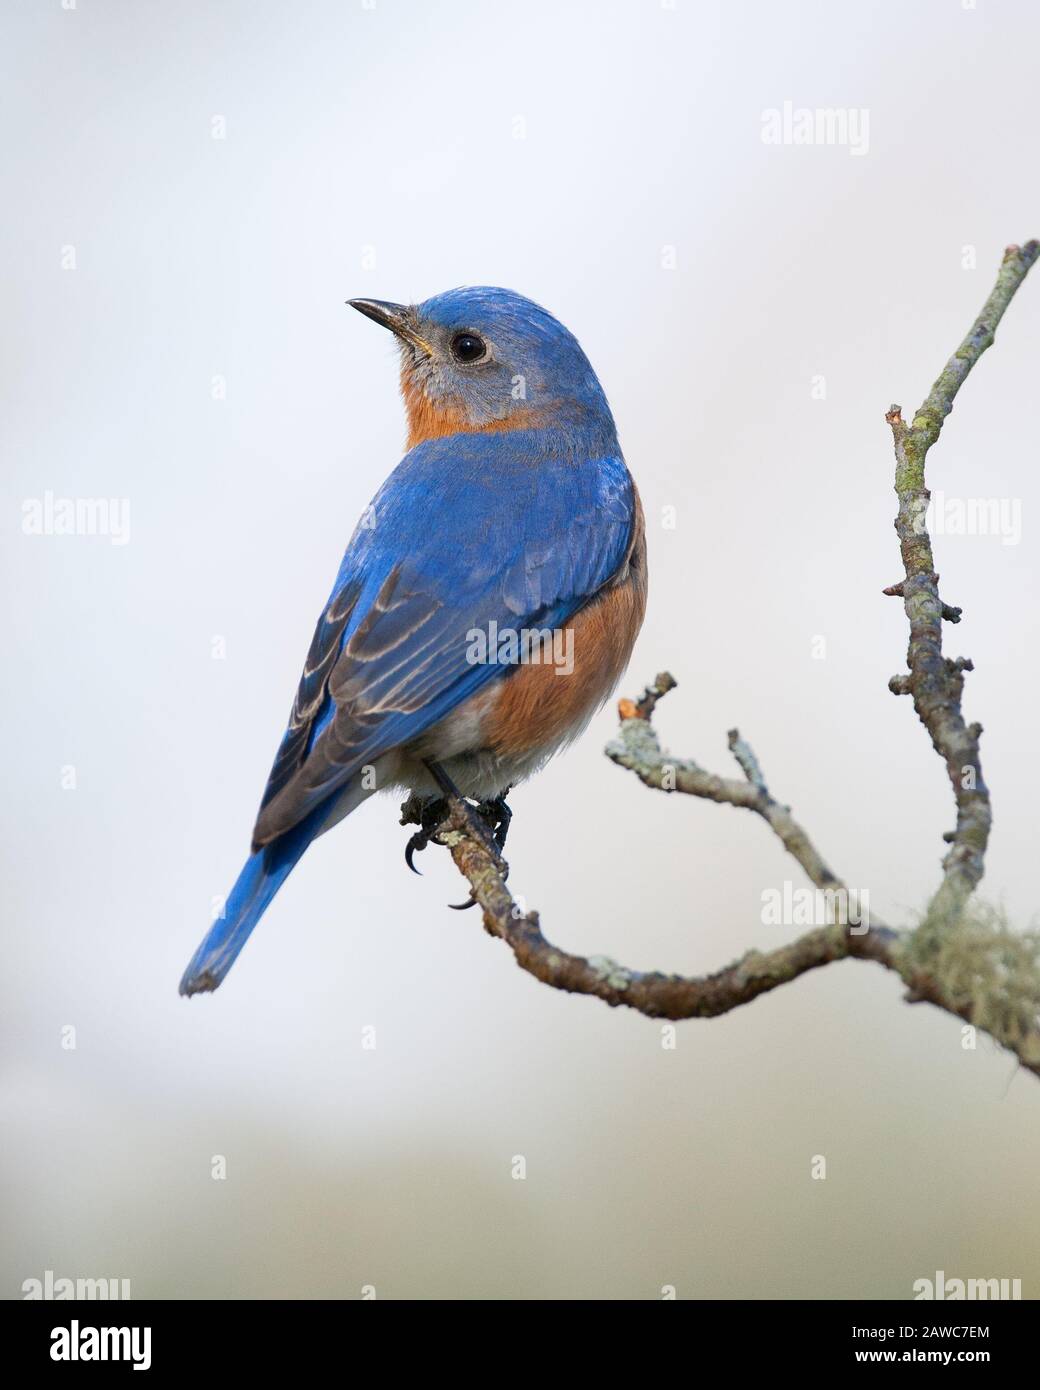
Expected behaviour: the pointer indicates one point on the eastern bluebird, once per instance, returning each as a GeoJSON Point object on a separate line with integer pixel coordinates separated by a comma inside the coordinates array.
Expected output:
{"type": "Point", "coordinates": [488, 600]}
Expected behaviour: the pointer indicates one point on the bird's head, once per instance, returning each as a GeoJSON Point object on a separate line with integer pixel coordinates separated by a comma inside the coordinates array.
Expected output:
{"type": "Point", "coordinates": [481, 358]}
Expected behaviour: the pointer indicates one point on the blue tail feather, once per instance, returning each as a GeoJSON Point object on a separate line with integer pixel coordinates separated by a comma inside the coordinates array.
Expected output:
{"type": "Point", "coordinates": [262, 875]}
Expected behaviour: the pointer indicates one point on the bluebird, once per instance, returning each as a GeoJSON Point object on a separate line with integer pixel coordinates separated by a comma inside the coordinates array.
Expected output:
{"type": "Point", "coordinates": [487, 603]}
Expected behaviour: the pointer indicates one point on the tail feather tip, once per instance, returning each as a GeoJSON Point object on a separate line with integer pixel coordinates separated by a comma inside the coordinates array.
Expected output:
{"type": "Point", "coordinates": [202, 983]}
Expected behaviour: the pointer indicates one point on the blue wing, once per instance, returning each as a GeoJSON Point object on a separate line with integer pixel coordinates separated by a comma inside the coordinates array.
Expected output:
{"type": "Point", "coordinates": [466, 530]}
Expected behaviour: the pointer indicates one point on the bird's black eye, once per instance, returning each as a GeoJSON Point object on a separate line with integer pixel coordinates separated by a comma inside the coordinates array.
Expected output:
{"type": "Point", "coordinates": [468, 347]}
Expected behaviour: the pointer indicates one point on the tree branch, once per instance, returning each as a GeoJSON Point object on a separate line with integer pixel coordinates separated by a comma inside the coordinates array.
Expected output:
{"type": "Point", "coordinates": [964, 963]}
{"type": "Point", "coordinates": [652, 993]}
{"type": "Point", "coordinates": [637, 749]}
{"type": "Point", "coordinates": [935, 682]}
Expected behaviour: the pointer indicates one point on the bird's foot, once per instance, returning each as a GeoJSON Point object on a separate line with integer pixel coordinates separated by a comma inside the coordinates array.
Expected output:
{"type": "Point", "coordinates": [427, 812]}
{"type": "Point", "coordinates": [487, 822]}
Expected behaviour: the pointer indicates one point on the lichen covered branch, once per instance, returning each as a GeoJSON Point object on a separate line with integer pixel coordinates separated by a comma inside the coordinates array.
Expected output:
{"type": "Point", "coordinates": [649, 992]}
{"type": "Point", "coordinates": [637, 749]}
{"type": "Point", "coordinates": [935, 682]}
{"type": "Point", "coordinates": [986, 975]}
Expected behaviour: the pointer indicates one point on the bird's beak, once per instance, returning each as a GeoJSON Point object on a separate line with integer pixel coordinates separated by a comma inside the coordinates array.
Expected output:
{"type": "Point", "coordinates": [399, 318]}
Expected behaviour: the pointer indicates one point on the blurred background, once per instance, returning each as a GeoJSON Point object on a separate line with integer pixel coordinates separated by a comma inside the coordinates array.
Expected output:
{"type": "Point", "coordinates": [192, 193]}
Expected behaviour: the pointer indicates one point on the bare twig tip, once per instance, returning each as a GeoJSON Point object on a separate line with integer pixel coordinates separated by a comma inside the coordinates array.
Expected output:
{"type": "Point", "coordinates": [644, 707]}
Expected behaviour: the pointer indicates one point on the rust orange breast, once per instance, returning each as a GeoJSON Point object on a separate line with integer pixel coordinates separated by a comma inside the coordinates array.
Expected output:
{"type": "Point", "coordinates": [538, 707]}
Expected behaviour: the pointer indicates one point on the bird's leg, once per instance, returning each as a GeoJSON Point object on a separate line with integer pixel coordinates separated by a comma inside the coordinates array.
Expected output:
{"type": "Point", "coordinates": [429, 814]}
{"type": "Point", "coordinates": [498, 815]}
{"type": "Point", "coordinates": [490, 816]}
{"type": "Point", "coordinates": [476, 816]}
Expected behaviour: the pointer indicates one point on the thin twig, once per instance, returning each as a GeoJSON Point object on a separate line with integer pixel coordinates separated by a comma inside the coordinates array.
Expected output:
{"type": "Point", "coordinates": [637, 749]}
{"type": "Point", "coordinates": [936, 683]}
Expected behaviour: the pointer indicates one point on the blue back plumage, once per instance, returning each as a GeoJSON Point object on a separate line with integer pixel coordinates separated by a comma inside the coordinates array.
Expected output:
{"type": "Point", "coordinates": [467, 530]}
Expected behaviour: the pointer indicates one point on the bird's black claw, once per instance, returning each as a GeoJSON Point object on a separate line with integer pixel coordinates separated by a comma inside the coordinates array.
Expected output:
{"type": "Point", "coordinates": [419, 841]}
{"type": "Point", "coordinates": [429, 815]}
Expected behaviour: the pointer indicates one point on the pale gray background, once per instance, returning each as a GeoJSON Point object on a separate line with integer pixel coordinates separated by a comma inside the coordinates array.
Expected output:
{"type": "Point", "coordinates": [392, 128]}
